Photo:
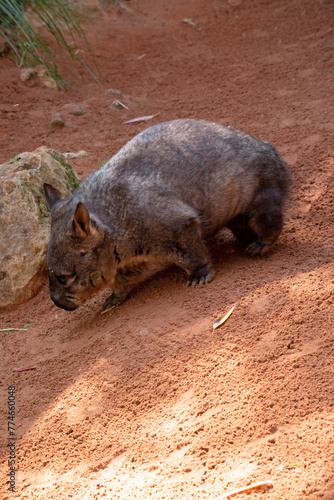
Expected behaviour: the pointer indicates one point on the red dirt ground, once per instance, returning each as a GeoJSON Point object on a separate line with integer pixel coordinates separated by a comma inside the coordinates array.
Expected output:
{"type": "Point", "coordinates": [147, 401]}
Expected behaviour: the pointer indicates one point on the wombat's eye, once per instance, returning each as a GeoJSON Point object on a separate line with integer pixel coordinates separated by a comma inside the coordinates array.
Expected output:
{"type": "Point", "coordinates": [82, 254]}
{"type": "Point", "coordinates": [63, 278]}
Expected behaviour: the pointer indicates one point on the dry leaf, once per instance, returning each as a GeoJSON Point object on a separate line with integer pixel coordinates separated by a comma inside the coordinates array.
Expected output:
{"type": "Point", "coordinates": [107, 310]}
{"type": "Point", "coordinates": [222, 319]}
{"type": "Point", "coordinates": [119, 105]}
{"type": "Point", "coordinates": [248, 489]}
{"type": "Point", "coordinates": [140, 119]}
{"type": "Point", "coordinates": [24, 369]}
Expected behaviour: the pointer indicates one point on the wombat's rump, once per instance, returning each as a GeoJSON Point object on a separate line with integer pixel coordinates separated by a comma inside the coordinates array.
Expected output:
{"type": "Point", "coordinates": [157, 199]}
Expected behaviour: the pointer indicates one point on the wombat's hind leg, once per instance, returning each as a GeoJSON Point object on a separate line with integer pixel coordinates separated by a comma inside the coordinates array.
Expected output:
{"type": "Point", "coordinates": [266, 221]}
{"type": "Point", "coordinates": [260, 227]}
{"type": "Point", "coordinates": [241, 230]}
{"type": "Point", "coordinates": [269, 228]}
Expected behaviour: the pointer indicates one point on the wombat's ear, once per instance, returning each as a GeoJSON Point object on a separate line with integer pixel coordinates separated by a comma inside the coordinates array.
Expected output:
{"type": "Point", "coordinates": [52, 195]}
{"type": "Point", "coordinates": [81, 221]}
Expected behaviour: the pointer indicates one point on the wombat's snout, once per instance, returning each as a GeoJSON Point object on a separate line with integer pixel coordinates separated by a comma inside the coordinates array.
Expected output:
{"type": "Point", "coordinates": [67, 305]}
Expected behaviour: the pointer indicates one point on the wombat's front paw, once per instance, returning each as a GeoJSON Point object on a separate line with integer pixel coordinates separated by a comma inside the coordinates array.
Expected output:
{"type": "Point", "coordinates": [200, 276]}
{"type": "Point", "coordinates": [113, 300]}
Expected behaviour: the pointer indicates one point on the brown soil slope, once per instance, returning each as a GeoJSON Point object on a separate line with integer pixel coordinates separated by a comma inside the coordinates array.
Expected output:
{"type": "Point", "coordinates": [147, 401]}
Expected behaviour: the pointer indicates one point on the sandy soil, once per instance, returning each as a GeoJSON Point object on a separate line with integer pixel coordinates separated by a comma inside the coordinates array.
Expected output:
{"type": "Point", "coordinates": [147, 401]}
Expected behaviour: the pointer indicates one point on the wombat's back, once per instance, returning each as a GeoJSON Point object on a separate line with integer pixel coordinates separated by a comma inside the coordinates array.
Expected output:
{"type": "Point", "coordinates": [215, 169]}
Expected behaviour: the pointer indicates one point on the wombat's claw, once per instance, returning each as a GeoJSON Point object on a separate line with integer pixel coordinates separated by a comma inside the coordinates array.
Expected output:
{"type": "Point", "coordinates": [199, 278]}
{"type": "Point", "coordinates": [257, 247]}
{"type": "Point", "coordinates": [111, 302]}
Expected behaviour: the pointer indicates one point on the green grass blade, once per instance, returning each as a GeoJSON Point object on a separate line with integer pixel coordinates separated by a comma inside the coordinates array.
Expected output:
{"type": "Point", "coordinates": [59, 21]}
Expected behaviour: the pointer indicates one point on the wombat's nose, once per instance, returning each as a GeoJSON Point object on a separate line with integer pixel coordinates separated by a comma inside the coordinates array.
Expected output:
{"type": "Point", "coordinates": [68, 306]}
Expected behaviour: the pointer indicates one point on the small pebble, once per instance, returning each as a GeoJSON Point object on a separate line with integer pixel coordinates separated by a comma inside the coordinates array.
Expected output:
{"type": "Point", "coordinates": [46, 80]}
{"type": "Point", "coordinates": [57, 121]}
{"type": "Point", "coordinates": [27, 74]}
{"type": "Point", "coordinates": [75, 109]}
{"type": "Point", "coordinates": [115, 92]}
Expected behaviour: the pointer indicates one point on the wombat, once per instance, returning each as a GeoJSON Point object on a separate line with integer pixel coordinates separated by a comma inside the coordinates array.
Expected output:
{"type": "Point", "coordinates": [167, 190]}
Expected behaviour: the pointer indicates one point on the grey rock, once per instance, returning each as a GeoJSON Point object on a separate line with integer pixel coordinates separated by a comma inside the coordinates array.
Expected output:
{"type": "Point", "coordinates": [25, 219]}
{"type": "Point", "coordinates": [79, 154]}
{"type": "Point", "coordinates": [27, 74]}
{"type": "Point", "coordinates": [114, 92]}
{"type": "Point", "coordinates": [47, 80]}
{"type": "Point", "coordinates": [74, 109]}
{"type": "Point", "coordinates": [31, 76]}
{"type": "Point", "coordinates": [57, 121]}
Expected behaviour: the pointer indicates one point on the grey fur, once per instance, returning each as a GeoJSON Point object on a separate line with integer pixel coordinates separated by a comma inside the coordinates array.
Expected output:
{"type": "Point", "coordinates": [157, 200]}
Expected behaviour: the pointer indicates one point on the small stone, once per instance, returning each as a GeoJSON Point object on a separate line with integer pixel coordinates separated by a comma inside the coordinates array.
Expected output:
{"type": "Point", "coordinates": [27, 74]}
{"type": "Point", "coordinates": [75, 109]}
{"type": "Point", "coordinates": [46, 80]}
{"type": "Point", "coordinates": [114, 92]}
{"type": "Point", "coordinates": [79, 154]}
{"type": "Point", "coordinates": [190, 22]}
{"type": "Point", "coordinates": [57, 121]}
